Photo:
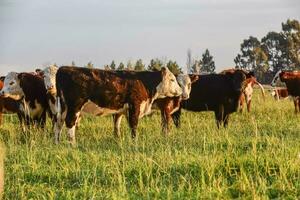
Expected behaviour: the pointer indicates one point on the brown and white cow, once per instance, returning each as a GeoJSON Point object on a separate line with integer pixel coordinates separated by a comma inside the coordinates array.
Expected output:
{"type": "Point", "coordinates": [292, 81]}
{"type": "Point", "coordinates": [169, 105]}
{"type": "Point", "coordinates": [118, 92]}
{"type": "Point", "coordinates": [280, 93]}
{"type": "Point", "coordinates": [247, 94]}
{"type": "Point", "coordinates": [9, 105]}
{"type": "Point", "coordinates": [29, 89]}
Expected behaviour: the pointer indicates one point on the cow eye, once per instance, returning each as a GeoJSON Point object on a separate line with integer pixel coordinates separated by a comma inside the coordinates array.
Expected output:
{"type": "Point", "coordinates": [172, 80]}
{"type": "Point", "coordinates": [11, 83]}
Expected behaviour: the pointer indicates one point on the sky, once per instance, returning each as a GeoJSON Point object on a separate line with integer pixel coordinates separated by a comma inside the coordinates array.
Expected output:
{"type": "Point", "coordinates": [36, 33]}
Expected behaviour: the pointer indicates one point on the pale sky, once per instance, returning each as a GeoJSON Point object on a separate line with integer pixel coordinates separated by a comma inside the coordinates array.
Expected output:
{"type": "Point", "coordinates": [35, 33]}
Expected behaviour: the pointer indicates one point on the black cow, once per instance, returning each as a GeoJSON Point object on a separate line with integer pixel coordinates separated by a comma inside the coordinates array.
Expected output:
{"type": "Point", "coordinates": [215, 92]}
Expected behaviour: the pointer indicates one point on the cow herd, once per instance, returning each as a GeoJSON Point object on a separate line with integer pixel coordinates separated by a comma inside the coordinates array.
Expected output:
{"type": "Point", "coordinates": [61, 93]}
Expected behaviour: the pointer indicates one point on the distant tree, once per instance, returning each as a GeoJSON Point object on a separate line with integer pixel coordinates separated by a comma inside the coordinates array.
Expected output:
{"type": "Point", "coordinates": [189, 61]}
{"type": "Point", "coordinates": [90, 65]}
{"type": "Point", "coordinates": [73, 64]}
{"type": "Point", "coordinates": [208, 64]}
{"type": "Point", "coordinates": [174, 67]}
{"type": "Point", "coordinates": [112, 65]}
{"type": "Point", "coordinates": [155, 64]}
{"type": "Point", "coordinates": [106, 67]}
{"type": "Point", "coordinates": [129, 66]}
{"type": "Point", "coordinates": [121, 66]}
{"type": "Point", "coordinates": [195, 69]}
{"type": "Point", "coordinates": [246, 59]}
{"type": "Point", "coordinates": [273, 45]}
{"type": "Point", "coordinates": [139, 66]}
{"type": "Point", "coordinates": [291, 34]}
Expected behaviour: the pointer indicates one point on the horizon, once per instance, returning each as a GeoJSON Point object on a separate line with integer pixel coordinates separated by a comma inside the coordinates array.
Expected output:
{"type": "Point", "coordinates": [39, 33]}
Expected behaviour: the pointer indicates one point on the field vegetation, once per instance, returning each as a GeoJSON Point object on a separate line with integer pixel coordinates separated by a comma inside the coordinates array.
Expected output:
{"type": "Point", "coordinates": [256, 157]}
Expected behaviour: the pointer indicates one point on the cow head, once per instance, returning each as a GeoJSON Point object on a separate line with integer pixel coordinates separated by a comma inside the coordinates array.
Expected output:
{"type": "Point", "coordinates": [238, 80]}
{"type": "Point", "coordinates": [12, 86]}
{"type": "Point", "coordinates": [168, 87]}
{"type": "Point", "coordinates": [49, 75]}
{"type": "Point", "coordinates": [185, 82]}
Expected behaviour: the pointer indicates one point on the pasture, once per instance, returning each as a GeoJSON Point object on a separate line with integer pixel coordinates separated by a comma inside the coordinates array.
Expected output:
{"type": "Point", "coordinates": [256, 157]}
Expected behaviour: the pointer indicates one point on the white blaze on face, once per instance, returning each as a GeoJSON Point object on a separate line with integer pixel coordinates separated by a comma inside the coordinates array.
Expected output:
{"type": "Point", "coordinates": [186, 85]}
{"type": "Point", "coordinates": [248, 91]}
{"type": "Point", "coordinates": [12, 87]}
{"type": "Point", "coordinates": [169, 86]}
{"type": "Point", "coordinates": [49, 74]}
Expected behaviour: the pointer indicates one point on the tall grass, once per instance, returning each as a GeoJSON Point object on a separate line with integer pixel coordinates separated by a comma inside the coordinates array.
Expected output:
{"type": "Point", "coordinates": [256, 157]}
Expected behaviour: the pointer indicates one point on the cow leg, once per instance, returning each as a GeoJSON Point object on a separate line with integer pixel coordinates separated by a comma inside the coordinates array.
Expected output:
{"type": "Point", "coordinates": [0, 118]}
{"type": "Point", "coordinates": [133, 118]}
{"type": "Point", "coordinates": [71, 119]}
{"type": "Point", "coordinates": [296, 104]}
{"type": "Point", "coordinates": [117, 122]}
{"type": "Point", "coordinates": [165, 120]}
{"type": "Point", "coordinates": [248, 105]}
{"type": "Point", "coordinates": [219, 116]}
{"type": "Point", "coordinates": [225, 120]}
{"type": "Point", "coordinates": [176, 118]}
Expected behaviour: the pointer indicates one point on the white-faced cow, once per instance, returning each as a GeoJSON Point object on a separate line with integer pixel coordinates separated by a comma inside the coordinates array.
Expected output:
{"type": "Point", "coordinates": [292, 81]}
{"type": "Point", "coordinates": [169, 105]}
{"type": "Point", "coordinates": [9, 105]}
{"type": "Point", "coordinates": [215, 92]}
{"type": "Point", "coordinates": [29, 89]}
{"type": "Point", "coordinates": [118, 92]}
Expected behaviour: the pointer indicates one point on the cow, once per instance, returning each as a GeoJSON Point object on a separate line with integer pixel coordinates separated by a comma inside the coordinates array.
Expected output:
{"type": "Point", "coordinates": [280, 93]}
{"type": "Point", "coordinates": [169, 105]}
{"type": "Point", "coordinates": [219, 93]}
{"type": "Point", "coordinates": [118, 92]}
{"type": "Point", "coordinates": [292, 82]}
{"type": "Point", "coordinates": [246, 96]}
{"type": "Point", "coordinates": [29, 89]}
{"type": "Point", "coordinates": [9, 105]}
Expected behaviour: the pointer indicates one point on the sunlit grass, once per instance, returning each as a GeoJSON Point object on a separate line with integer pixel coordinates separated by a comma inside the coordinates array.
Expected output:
{"type": "Point", "coordinates": [257, 157]}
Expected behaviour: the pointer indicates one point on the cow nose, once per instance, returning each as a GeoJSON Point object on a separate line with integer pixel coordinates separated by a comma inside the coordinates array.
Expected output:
{"type": "Point", "coordinates": [50, 87]}
{"type": "Point", "coordinates": [185, 97]}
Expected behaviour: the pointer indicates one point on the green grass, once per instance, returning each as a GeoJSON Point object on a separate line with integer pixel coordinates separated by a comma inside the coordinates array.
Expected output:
{"type": "Point", "coordinates": [257, 157]}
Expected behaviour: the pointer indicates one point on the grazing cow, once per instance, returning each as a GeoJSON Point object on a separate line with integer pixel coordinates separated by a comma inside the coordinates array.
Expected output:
{"type": "Point", "coordinates": [169, 105]}
{"type": "Point", "coordinates": [246, 96]}
{"type": "Point", "coordinates": [29, 89]}
{"type": "Point", "coordinates": [215, 92]}
{"type": "Point", "coordinates": [9, 105]}
{"type": "Point", "coordinates": [118, 92]}
{"type": "Point", "coordinates": [292, 81]}
{"type": "Point", "coordinates": [280, 93]}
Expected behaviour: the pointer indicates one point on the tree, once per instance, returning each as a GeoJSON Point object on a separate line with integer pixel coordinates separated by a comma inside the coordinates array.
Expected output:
{"type": "Point", "coordinates": [139, 66]}
{"type": "Point", "coordinates": [155, 64]}
{"type": "Point", "coordinates": [121, 66]}
{"type": "Point", "coordinates": [112, 65]}
{"type": "Point", "coordinates": [90, 65]}
{"type": "Point", "coordinates": [208, 64]}
{"type": "Point", "coordinates": [273, 45]}
{"type": "Point", "coordinates": [195, 69]}
{"type": "Point", "coordinates": [291, 33]}
{"type": "Point", "coordinates": [246, 59]}
{"type": "Point", "coordinates": [189, 61]}
{"type": "Point", "coordinates": [129, 66]}
{"type": "Point", "coordinates": [174, 67]}
{"type": "Point", "coordinates": [73, 64]}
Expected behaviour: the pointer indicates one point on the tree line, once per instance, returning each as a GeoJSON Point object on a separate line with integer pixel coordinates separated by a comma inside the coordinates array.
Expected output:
{"type": "Point", "coordinates": [204, 65]}
{"type": "Point", "coordinates": [275, 51]}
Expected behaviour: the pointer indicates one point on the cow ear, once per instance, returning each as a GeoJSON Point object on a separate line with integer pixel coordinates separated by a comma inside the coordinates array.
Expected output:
{"type": "Point", "coordinates": [194, 78]}
{"type": "Point", "coordinates": [2, 78]}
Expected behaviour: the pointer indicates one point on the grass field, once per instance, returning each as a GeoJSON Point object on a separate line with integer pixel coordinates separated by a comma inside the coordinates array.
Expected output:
{"type": "Point", "coordinates": [257, 157]}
